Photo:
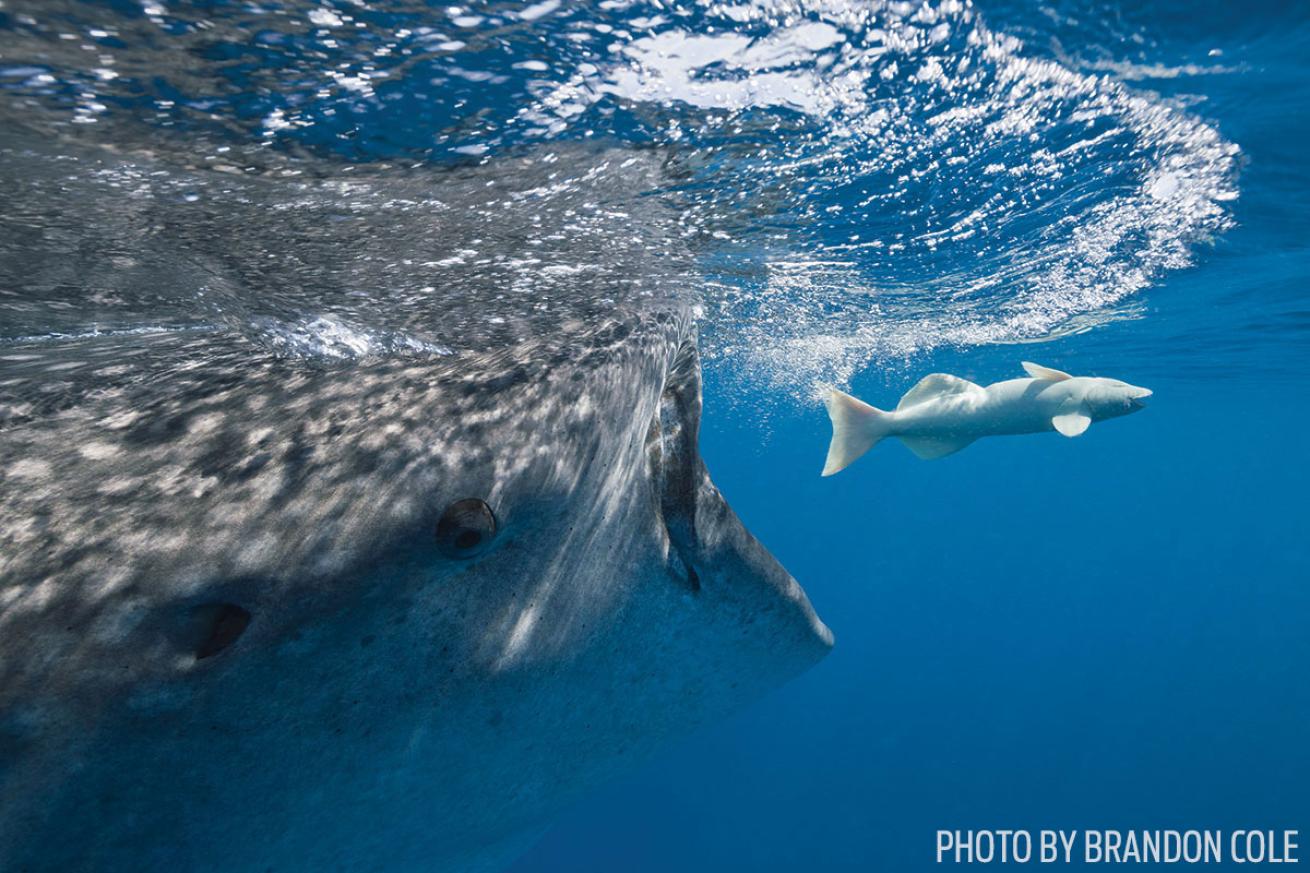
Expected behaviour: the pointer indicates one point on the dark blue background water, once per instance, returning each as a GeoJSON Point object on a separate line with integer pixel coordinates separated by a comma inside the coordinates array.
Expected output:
{"type": "Point", "coordinates": [1108, 632]}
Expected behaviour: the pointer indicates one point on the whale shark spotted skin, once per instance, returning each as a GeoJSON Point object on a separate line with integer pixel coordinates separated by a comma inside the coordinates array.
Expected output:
{"type": "Point", "coordinates": [942, 413]}
{"type": "Point", "coordinates": [294, 576]}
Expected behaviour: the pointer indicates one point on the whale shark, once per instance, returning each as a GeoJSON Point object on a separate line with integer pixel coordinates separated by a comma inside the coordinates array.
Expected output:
{"type": "Point", "coordinates": [943, 414]}
{"type": "Point", "coordinates": [353, 524]}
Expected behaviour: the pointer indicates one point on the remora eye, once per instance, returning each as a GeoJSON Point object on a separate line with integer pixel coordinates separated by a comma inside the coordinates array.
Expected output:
{"type": "Point", "coordinates": [465, 528]}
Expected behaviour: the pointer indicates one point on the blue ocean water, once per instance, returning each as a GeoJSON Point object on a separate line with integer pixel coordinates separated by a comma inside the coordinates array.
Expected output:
{"type": "Point", "coordinates": [1106, 632]}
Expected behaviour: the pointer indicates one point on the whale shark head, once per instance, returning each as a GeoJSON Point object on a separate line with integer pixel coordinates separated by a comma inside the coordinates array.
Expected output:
{"type": "Point", "coordinates": [1111, 398]}
{"type": "Point", "coordinates": [265, 607]}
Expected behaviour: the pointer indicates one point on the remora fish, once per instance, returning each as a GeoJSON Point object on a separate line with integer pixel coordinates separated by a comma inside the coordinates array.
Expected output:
{"type": "Point", "coordinates": [352, 609]}
{"type": "Point", "coordinates": [942, 414]}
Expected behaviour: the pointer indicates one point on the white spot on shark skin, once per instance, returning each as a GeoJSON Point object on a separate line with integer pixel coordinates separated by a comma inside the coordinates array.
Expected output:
{"type": "Point", "coordinates": [258, 435]}
{"type": "Point", "coordinates": [40, 595]}
{"type": "Point", "coordinates": [114, 578]}
{"type": "Point", "coordinates": [256, 552]}
{"type": "Point", "coordinates": [120, 420]}
{"type": "Point", "coordinates": [97, 451]}
{"type": "Point", "coordinates": [29, 468]}
{"type": "Point", "coordinates": [116, 486]}
{"type": "Point", "coordinates": [332, 560]}
{"type": "Point", "coordinates": [208, 423]}
{"type": "Point", "coordinates": [166, 543]}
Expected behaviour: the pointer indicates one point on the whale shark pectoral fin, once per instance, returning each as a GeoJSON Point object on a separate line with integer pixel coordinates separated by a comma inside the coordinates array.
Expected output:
{"type": "Point", "coordinates": [1072, 424]}
{"type": "Point", "coordinates": [930, 448]}
{"type": "Point", "coordinates": [936, 385]}
{"type": "Point", "coordinates": [1045, 374]}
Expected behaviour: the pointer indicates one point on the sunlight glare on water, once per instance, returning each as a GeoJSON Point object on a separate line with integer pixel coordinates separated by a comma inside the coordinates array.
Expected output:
{"type": "Point", "coordinates": [861, 182]}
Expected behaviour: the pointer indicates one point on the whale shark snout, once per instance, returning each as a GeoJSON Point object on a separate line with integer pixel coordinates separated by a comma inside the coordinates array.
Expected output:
{"type": "Point", "coordinates": [707, 535]}
{"type": "Point", "coordinates": [766, 594]}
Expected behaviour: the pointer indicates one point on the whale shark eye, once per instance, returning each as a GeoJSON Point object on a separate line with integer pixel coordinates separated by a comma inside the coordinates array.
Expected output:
{"type": "Point", "coordinates": [465, 528]}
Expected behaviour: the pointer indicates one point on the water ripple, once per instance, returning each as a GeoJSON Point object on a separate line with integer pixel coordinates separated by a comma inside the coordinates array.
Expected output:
{"type": "Point", "coordinates": [862, 182]}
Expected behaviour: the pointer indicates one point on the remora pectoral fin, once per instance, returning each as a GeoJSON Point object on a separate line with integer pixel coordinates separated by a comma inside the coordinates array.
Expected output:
{"type": "Point", "coordinates": [929, 448]}
{"type": "Point", "coordinates": [1072, 424]}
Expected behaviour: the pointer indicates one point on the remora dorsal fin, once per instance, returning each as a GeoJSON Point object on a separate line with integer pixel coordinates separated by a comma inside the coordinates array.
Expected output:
{"type": "Point", "coordinates": [936, 385]}
{"type": "Point", "coordinates": [1046, 374]}
{"type": "Point", "coordinates": [929, 448]}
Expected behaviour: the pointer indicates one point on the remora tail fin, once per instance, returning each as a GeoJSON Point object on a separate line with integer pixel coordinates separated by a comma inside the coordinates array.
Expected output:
{"type": "Point", "coordinates": [856, 427]}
